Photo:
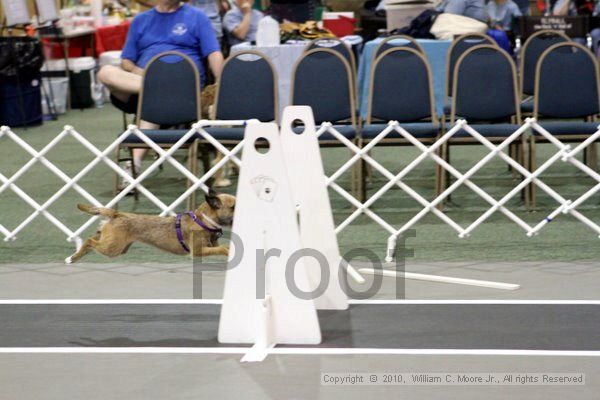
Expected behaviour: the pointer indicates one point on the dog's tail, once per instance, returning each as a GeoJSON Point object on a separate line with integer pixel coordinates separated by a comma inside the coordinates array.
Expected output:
{"type": "Point", "coordinates": [105, 212]}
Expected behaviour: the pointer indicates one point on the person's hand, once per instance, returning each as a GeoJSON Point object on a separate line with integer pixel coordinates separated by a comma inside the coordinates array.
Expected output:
{"type": "Point", "coordinates": [246, 7]}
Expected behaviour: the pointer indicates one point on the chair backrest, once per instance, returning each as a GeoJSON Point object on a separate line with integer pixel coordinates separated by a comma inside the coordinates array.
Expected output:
{"type": "Point", "coordinates": [566, 82]}
{"type": "Point", "coordinates": [401, 87]}
{"type": "Point", "coordinates": [322, 79]}
{"type": "Point", "coordinates": [394, 41]}
{"type": "Point", "coordinates": [334, 44]}
{"type": "Point", "coordinates": [531, 53]}
{"type": "Point", "coordinates": [170, 93]}
{"type": "Point", "coordinates": [456, 49]}
{"type": "Point", "coordinates": [485, 86]}
{"type": "Point", "coordinates": [247, 88]}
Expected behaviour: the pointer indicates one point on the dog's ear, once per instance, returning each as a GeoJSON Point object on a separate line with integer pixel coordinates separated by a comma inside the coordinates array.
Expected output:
{"type": "Point", "coordinates": [213, 200]}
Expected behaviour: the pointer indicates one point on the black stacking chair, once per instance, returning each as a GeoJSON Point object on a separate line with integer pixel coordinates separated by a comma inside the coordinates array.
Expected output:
{"type": "Point", "coordinates": [485, 93]}
{"type": "Point", "coordinates": [247, 89]}
{"type": "Point", "coordinates": [566, 91]}
{"type": "Point", "coordinates": [401, 90]}
{"type": "Point", "coordinates": [531, 52]}
{"type": "Point", "coordinates": [343, 49]}
{"type": "Point", "coordinates": [322, 79]}
{"type": "Point", "coordinates": [395, 41]}
{"type": "Point", "coordinates": [456, 49]}
{"type": "Point", "coordinates": [170, 96]}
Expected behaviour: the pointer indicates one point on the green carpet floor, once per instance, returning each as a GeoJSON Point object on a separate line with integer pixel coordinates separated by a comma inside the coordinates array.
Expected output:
{"type": "Point", "coordinates": [497, 239]}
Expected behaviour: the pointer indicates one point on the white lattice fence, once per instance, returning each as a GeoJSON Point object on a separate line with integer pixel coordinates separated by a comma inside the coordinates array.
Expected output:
{"type": "Point", "coordinates": [564, 154]}
{"type": "Point", "coordinates": [105, 156]}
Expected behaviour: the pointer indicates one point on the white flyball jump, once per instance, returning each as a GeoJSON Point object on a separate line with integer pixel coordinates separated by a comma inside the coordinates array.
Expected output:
{"type": "Point", "coordinates": [258, 305]}
{"type": "Point", "coordinates": [309, 187]}
{"type": "Point", "coordinates": [286, 265]}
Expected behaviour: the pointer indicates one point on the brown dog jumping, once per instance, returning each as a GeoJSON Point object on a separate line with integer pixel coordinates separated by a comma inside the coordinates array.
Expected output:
{"type": "Point", "coordinates": [171, 234]}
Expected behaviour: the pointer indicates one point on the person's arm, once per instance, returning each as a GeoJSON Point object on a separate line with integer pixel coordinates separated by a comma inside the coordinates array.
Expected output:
{"type": "Point", "coordinates": [215, 63]}
{"type": "Point", "coordinates": [455, 7]}
{"type": "Point", "coordinates": [131, 52]}
{"type": "Point", "coordinates": [130, 66]}
{"type": "Point", "coordinates": [242, 29]}
{"type": "Point", "coordinates": [561, 8]}
{"type": "Point", "coordinates": [209, 46]}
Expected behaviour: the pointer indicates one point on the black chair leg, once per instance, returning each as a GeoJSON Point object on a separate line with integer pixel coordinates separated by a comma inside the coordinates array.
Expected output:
{"type": "Point", "coordinates": [133, 174]}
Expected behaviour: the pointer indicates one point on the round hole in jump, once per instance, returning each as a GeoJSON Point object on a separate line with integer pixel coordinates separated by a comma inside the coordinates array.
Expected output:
{"type": "Point", "coordinates": [298, 126]}
{"type": "Point", "coordinates": [262, 145]}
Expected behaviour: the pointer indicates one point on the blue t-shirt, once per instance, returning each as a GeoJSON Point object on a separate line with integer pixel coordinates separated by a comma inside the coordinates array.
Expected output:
{"type": "Point", "coordinates": [469, 8]}
{"type": "Point", "coordinates": [187, 30]}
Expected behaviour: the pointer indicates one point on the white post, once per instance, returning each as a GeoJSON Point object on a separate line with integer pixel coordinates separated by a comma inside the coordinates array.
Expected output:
{"type": "Point", "coordinates": [309, 187]}
{"type": "Point", "coordinates": [265, 223]}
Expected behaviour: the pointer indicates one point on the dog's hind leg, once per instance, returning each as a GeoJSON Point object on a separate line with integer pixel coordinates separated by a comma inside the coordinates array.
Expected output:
{"type": "Point", "coordinates": [110, 248]}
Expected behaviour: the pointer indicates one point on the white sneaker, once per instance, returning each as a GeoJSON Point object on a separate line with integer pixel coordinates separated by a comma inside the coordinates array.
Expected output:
{"type": "Point", "coordinates": [128, 168]}
{"type": "Point", "coordinates": [222, 182]}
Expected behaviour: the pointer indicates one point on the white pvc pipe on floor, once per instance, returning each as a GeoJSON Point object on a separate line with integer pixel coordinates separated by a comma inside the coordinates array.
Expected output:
{"type": "Point", "coordinates": [440, 279]}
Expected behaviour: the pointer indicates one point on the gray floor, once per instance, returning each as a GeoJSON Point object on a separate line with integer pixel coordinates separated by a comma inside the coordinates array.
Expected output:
{"type": "Point", "coordinates": [538, 280]}
{"type": "Point", "coordinates": [405, 326]}
{"type": "Point", "coordinates": [183, 377]}
{"type": "Point", "coordinates": [205, 376]}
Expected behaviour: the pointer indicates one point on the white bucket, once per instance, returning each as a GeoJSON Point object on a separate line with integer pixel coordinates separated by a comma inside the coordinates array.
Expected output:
{"type": "Point", "coordinates": [56, 89]}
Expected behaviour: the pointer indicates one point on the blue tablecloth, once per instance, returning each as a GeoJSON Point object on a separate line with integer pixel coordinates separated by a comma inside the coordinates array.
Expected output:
{"type": "Point", "coordinates": [436, 55]}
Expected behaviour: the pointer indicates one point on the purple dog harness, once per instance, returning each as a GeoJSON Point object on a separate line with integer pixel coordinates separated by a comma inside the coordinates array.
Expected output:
{"type": "Point", "coordinates": [216, 231]}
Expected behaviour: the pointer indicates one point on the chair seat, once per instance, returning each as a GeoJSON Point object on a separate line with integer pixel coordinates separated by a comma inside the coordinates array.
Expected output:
{"type": "Point", "coordinates": [558, 128]}
{"type": "Point", "coordinates": [420, 130]}
{"type": "Point", "coordinates": [488, 130]}
{"type": "Point", "coordinates": [348, 131]}
{"type": "Point", "coordinates": [527, 106]}
{"type": "Point", "coordinates": [235, 133]}
{"type": "Point", "coordinates": [161, 136]}
{"type": "Point", "coordinates": [447, 108]}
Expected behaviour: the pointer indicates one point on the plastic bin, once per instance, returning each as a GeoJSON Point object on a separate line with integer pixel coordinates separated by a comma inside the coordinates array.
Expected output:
{"type": "Point", "coordinates": [82, 78]}
{"type": "Point", "coordinates": [400, 14]}
{"type": "Point", "coordinates": [55, 89]}
{"type": "Point", "coordinates": [20, 103]}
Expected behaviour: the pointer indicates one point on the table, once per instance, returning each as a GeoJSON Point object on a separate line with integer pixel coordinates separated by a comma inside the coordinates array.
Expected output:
{"type": "Point", "coordinates": [284, 58]}
{"type": "Point", "coordinates": [111, 37]}
{"type": "Point", "coordinates": [435, 51]}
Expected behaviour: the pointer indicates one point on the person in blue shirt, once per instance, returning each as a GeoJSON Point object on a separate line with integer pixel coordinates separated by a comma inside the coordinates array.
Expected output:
{"type": "Point", "coordinates": [170, 26]}
{"type": "Point", "coordinates": [213, 9]}
{"type": "Point", "coordinates": [468, 8]}
{"type": "Point", "coordinates": [502, 13]}
{"type": "Point", "coordinates": [241, 22]}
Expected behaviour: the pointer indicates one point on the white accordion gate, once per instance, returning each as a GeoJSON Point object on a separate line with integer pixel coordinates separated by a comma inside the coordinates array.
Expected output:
{"type": "Point", "coordinates": [564, 153]}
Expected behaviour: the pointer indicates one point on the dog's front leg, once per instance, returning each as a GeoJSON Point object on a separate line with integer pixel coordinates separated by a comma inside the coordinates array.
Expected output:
{"type": "Point", "coordinates": [212, 251]}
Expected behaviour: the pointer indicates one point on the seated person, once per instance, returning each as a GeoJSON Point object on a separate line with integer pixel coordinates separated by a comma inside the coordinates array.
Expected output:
{"type": "Point", "coordinates": [469, 8]}
{"type": "Point", "coordinates": [170, 26]}
{"type": "Point", "coordinates": [241, 22]}
{"type": "Point", "coordinates": [574, 8]}
{"type": "Point", "coordinates": [501, 13]}
{"type": "Point", "coordinates": [213, 10]}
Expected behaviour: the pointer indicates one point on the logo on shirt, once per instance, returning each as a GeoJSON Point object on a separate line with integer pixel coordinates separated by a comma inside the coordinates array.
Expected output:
{"type": "Point", "coordinates": [179, 29]}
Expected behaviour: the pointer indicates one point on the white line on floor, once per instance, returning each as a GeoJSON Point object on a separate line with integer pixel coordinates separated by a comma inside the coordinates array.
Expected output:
{"type": "Point", "coordinates": [220, 301]}
{"type": "Point", "coordinates": [294, 351]}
